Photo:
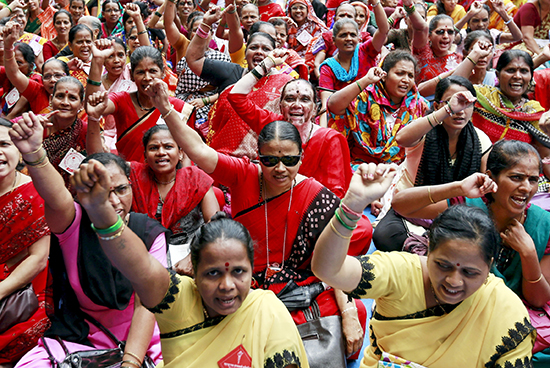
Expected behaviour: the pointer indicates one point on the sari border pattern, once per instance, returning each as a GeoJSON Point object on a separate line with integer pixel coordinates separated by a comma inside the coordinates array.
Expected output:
{"type": "Point", "coordinates": [510, 342]}
{"type": "Point", "coordinates": [283, 359]}
{"type": "Point", "coordinates": [366, 277]}
{"type": "Point", "coordinates": [199, 326]}
{"type": "Point", "coordinates": [168, 299]}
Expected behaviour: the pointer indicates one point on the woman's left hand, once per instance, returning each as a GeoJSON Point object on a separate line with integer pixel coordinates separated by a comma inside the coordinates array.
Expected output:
{"type": "Point", "coordinates": [75, 64]}
{"type": "Point", "coordinates": [461, 100]}
{"type": "Point", "coordinates": [92, 184]}
{"type": "Point", "coordinates": [158, 92]}
{"type": "Point", "coordinates": [132, 10]}
{"type": "Point", "coordinates": [197, 102]}
{"type": "Point", "coordinates": [277, 56]}
{"type": "Point", "coordinates": [498, 6]}
{"type": "Point", "coordinates": [353, 333]}
{"type": "Point", "coordinates": [289, 21]}
{"type": "Point", "coordinates": [516, 237]}
{"type": "Point", "coordinates": [399, 13]}
{"type": "Point", "coordinates": [374, 75]}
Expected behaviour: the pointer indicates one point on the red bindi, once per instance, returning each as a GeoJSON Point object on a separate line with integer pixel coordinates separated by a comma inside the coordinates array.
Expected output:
{"type": "Point", "coordinates": [227, 266]}
{"type": "Point", "coordinates": [66, 91]}
{"type": "Point", "coordinates": [458, 265]}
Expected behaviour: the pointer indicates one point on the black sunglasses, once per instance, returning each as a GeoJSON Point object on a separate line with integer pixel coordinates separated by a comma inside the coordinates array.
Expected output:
{"type": "Point", "coordinates": [288, 161]}
{"type": "Point", "coordinates": [441, 32]}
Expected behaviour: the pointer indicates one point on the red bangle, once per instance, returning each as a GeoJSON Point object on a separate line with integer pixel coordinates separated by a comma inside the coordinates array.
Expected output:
{"type": "Point", "coordinates": [349, 210]}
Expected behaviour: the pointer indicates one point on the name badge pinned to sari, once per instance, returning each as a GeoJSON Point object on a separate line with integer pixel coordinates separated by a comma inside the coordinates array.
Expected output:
{"type": "Point", "coordinates": [304, 38]}
{"type": "Point", "coordinates": [237, 358]}
{"type": "Point", "coordinates": [71, 161]}
{"type": "Point", "coordinates": [12, 98]}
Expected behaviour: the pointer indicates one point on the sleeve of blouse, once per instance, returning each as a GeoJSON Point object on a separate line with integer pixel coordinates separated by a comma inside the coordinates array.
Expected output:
{"type": "Point", "coordinates": [32, 89]}
{"type": "Point", "coordinates": [386, 275]}
{"type": "Point", "coordinates": [254, 116]}
{"type": "Point", "coordinates": [326, 77]}
{"type": "Point", "coordinates": [527, 16]}
{"type": "Point", "coordinates": [158, 249]}
{"type": "Point", "coordinates": [220, 73]}
{"type": "Point", "coordinates": [230, 170]}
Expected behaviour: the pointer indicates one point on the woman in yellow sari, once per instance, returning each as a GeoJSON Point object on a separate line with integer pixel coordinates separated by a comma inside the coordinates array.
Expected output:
{"type": "Point", "coordinates": [445, 310]}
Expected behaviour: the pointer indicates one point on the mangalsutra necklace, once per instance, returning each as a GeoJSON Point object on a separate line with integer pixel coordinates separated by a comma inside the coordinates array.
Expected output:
{"type": "Point", "coordinates": [141, 107]}
{"type": "Point", "coordinates": [164, 182]}
{"type": "Point", "coordinates": [273, 269]}
{"type": "Point", "coordinates": [435, 297]}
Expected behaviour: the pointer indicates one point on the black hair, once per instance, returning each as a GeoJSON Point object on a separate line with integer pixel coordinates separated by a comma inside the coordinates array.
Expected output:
{"type": "Point", "coordinates": [149, 133]}
{"type": "Point", "coordinates": [399, 38]}
{"type": "Point", "coordinates": [435, 21]}
{"type": "Point", "coordinates": [5, 123]}
{"type": "Point", "coordinates": [143, 52]}
{"type": "Point", "coordinates": [463, 222]}
{"type": "Point", "coordinates": [73, 80]}
{"type": "Point", "coordinates": [472, 38]}
{"type": "Point", "coordinates": [192, 19]}
{"type": "Point", "coordinates": [80, 27]}
{"type": "Point", "coordinates": [311, 86]}
{"type": "Point", "coordinates": [27, 52]}
{"type": "Point", "coordinates": [440, 7]}
{"type": "Point", "coordinates": [485, 7]}
{"type": "Point", "coordinates": [63, 64]}
{"type": "Point", "coordinates": [3, 21]}
{"type": "Point", "coordinates": [108, 158]}
{"type": "Point", "coordinates": [82, 1]}
{"type": "Point", "coordinates": [278, 22]}
{"type": "Point", "coordinates": [507, 56]}
{"type": "Point", "coordinates": [220, 228]}
{"type": "Point", "coordinates": [341, 23]}
{"type": "Point", "coordinates": [104, 5]}
{"type": "Point", "coordinates": [444, 84]}
{"type": "Point", "coordinates": [118, 41]}
{"type": "Point", "coordinates": [396, 56]}
{"type": "Point", "coordinates": [194, 14]}
{"type": "Point", "coordinates": [63, 11]}
{"type": "Point", "coordinates": [506, 154]}
{"type": "Point", "coordinates": [281, 130]}
{"type": "Point", "coordinates": [261, 34]}
{"type": "Point", "coordinates": [256, 27]}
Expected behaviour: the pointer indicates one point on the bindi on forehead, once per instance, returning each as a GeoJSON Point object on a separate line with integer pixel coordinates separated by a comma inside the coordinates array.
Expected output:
{"type": "Point", "coordinates": [227, 266]}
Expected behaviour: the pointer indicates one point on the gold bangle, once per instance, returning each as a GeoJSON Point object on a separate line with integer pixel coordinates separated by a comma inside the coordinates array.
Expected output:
{"type": "Point", "coordinates": [472, 60]}
{"type": "Point", "coordinates": [338, 233]}
{"type": "Point", "coordinates": [35, 151]}
{"type": "Point", "coordinates": [168, 113]}
{"type": "Point", "coordinates": [435, 118]}
{"type": "Point", "coordinates": [534, 282]}
{"type": "Point", "coordinates": [43, 164]}
{"type": "Point", "coordinates": [11, 58]}
{"type": "Point", "coordinates": [132, 363]}
{"type": "Point", "coordinates": [430, 195]}
{"type": "Point", "coordinates": [134, 356]}
{"type": "Point", "coordinates": [204, 24]}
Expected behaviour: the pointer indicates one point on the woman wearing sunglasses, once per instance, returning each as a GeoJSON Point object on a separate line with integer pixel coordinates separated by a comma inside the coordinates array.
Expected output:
{"type": "Point", "coordinates": [432, 48]}
{"type": "Point", "coordinates": [284, 211]}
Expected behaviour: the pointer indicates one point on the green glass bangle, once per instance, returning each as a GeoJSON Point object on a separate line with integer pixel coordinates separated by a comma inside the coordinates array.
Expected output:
{"type": "Point", "coordinates": [343, 223]}
{"type": "Point", "coordinates": [158, 14]}
{"type": "Point", "coordinates": [111, 229]}
{"type": "Point", "coordinates": [93, 82]}
{"type": "Point", "coordinates": [410, 10]}
{"type": "Point", "coordinates": [359, 85]}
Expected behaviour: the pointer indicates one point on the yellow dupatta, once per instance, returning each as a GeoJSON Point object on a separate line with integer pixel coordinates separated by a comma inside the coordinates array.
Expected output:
{"type": "Point", "coordinates": [262, 325]}
{"type": "Point", "coordinates": [490, 327]}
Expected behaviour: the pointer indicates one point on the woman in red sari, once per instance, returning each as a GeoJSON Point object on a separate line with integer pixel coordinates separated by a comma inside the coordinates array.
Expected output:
{"type": "Point", "coordinates": [285, 211]}
{"type": "Point", "coordinates": [133, 111]}
{"type": "Point", "coordinates": [24, 246]}
{"type": "Point", "coordinates": [308, 25]}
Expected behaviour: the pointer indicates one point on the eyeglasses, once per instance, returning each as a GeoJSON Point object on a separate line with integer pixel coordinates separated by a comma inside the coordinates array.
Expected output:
{"type": "Point", "coordinates": [288, 161]}
{"type": "Point", "coordinates": [441, 32]}
{"type": "Point", "coordinates": [56, 76]}
{"type": "Point", "coordinates": [109, 11]}
{"type": "Point", "coordinates": [122, 190]}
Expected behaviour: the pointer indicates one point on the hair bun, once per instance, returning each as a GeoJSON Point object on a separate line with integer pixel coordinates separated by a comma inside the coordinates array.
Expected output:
{"type": "Point", "coordinates": [218, 216]}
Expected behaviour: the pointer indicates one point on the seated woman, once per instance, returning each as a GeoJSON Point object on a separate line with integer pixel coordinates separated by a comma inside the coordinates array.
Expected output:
{"type": "Point", "coordinates": [447, 7]}
{"type": "Point", "coordinates": [284, 211]}
{"type": "Point", "coordinates": [352, 61]}
{"type": "Point", "coordinates": [111, 19]}
{"type": "Point", "coordinates": [228, 133]}
{"type": "Point", "coordinates": [23, 252]}
{"type": "Point", "coordinates": [214, 319]}
{"type": "Point", "coordinates": [326, 155]}
{"type": "Point", "coordinates": [482, 72]}
{"type": "Point", "coordinates": [429, 311]}
{"type": "Point", "coordinates": [306, 26]}
{"type": "Point", "coordinates": [133, 112]}
{"type": "Point", "coordinates": [37, 93]}
{"type": "Point", "coordinates": [533, 18]}
{"type": "Point", "coordinates": [83, 278]}
{"type": "Point", "coordinates": [382, 103]}
{"type": "Point", "coordinates": [504, 192]}
{"type": "Point", "coordinates": [452, 150]}
{"type": "Point", "coordinates": [505, 112]}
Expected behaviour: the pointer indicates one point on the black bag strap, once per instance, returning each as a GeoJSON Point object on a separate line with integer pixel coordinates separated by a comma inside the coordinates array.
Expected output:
{"type": "Point", "coordinates": [109, 334]}
{"type": "Point", "coordinates": [51, 358]}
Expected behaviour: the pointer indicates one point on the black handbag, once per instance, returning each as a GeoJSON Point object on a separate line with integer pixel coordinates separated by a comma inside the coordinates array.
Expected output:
{"type": "Point", "coordinates": [97, 358]}
{"type": "Point", "coordinates": [299, 297]}
{"type": "Point", "coordinates": [17, 307]}
{"type": "Point", "coordinates": [323, 339]}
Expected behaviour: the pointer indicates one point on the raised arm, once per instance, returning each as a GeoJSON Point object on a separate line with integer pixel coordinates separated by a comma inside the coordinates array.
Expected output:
{"type": "Point", "coordinates": [413, 132]}
{"type": "Point", "coordinates": [97, 104]}
{"type": "Point", "coordinates": [155, 17]}
{"type": "Point", "coordinates": [429, 201]}
{"type": "Point", "coordinates": [236, 36]}
{"type": "Point", "coordinates": [199, 43]}
{"type": "Point", "coordinates": [102, 49]}
{"type": "Point", "coordinates": [172, 32]}
{"type": "Point", "coordinates": [11, 35]}
{"type": "Point", "coordinates": [339, 101]}
{"type": "Point", "coordinates": [186, 138]}
{"type": "Point", "coordinates": [475, 8]}
{"type": "Point", "coordinates": [134, 12]}
{"type": "Point", "coordinates": [381, 34]}
{"type": "Point", "coordinates": [127, 252]}
{"type": "Point", "coordinates": [330, 260]}
{"type": "Point", "coordinates": [58, 201]}
{"type": "Point", "coordinates": [515, 33]}
{"type": "Point", "coordinates": [419, 25]}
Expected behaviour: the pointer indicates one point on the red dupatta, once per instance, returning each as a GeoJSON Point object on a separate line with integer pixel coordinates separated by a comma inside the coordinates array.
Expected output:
{"type": "Point", "coordinates": [187, 193]}
{"type": "Point", "coordinates": [129, 143]}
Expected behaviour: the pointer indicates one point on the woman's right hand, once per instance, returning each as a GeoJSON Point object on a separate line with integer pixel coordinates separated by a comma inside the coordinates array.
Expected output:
{"type": "Point", "coordinates": [27, 133]}
{"type": "Point", "coordinates": [480, 50]}
{"type": "Point", "coordinates": [461, 100]}
{"type": "Point", "coordinates": [213, 15]}
{"type": "Point", "coordinates": [10, 34]}
{"type": "Point", "coordinates": [75, 64]}
{"type": "Point", "coordinates": [398, 13]}
{"type": "Point", "coordinates": [475, 8]}
{"type": "Point", "coordinates": [158, 92]}
{"type": "Point", "coordinates": [374, 75]}
{"type": "Point", "coordinates": [102, 48]}
{"type": "Point", "coordinates": [97, 103]}
{"type": "Point", "coordinates": [278, 56]}
{"type": "Point", "coordinates": [92, 184]}
{"type": "Point", "coordinates": [477, 185]}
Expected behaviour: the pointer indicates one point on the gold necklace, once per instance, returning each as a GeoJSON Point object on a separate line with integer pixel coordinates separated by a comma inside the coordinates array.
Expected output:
{"type": "Point", "coordinates": [141, 107]}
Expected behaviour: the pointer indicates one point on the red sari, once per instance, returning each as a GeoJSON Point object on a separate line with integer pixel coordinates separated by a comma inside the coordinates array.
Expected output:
{"type": "Point", "coordinates": [326, 155]}
{"type": "Point", "coordinates": [228, 133]}
{"type": "Point", "coordinates": [311, 208]}
{"type": "Point", "coordinates": [187, 193]}
{"type": "Point", "coordinates": [130, 127]}
{"type": "Point", "coordinates": [270, 10]}
{"type": "Point", "coordinates": [21, 225]}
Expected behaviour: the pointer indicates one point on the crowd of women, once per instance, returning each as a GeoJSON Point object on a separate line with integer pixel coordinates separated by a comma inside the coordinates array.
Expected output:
{"type": "Point", "coordinates": [185, 183]}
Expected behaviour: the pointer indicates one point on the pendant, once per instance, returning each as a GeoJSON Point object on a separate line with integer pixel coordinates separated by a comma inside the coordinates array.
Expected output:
{"type": "Point", "coordinates": [272, 270]}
